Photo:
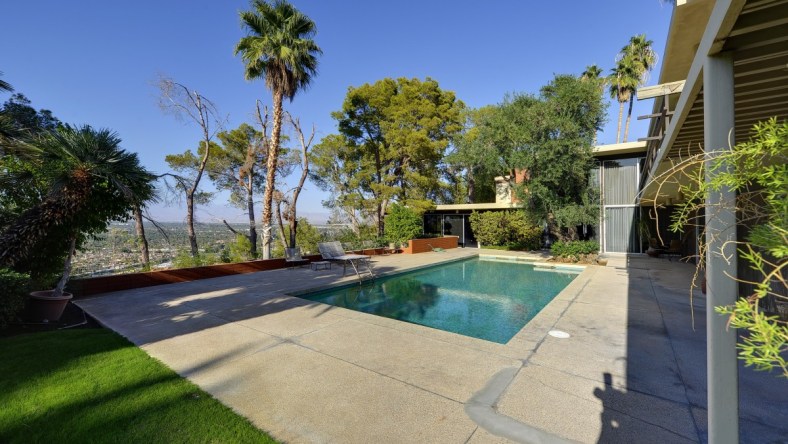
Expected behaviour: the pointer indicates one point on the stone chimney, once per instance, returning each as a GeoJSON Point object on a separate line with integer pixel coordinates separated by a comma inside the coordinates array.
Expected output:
{"type": "Point", "coordinates": [504, 187]}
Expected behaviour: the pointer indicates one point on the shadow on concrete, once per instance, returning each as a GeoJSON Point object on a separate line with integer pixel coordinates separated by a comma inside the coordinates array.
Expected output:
{"type": "Point", "coordinates": [152, 314]}
{"type": "Point", "coordinates": [666, 366]}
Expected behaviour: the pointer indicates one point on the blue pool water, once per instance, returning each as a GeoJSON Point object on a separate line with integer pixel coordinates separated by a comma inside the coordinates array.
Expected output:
{"type": "Point", "coordinates": [481, 298]}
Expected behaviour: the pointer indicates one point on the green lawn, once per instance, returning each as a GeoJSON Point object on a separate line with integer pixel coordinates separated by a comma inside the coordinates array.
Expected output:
{"type": "Point", "coordinates": [93, 386]}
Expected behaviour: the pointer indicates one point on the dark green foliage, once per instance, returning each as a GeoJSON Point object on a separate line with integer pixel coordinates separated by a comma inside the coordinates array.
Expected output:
{"type": "Point", "coordinates": [512, 229]}
{"type": "Point", "coordinates": [574, 250]}
{"type": "Point", "coordinates": [25, 119]}
{"type": "Point", "coordinates": [91, 385]}
{"type": "Point", "coordinates": [22, 183]}
{"type": "Point", "coordinates": [13, 292]}
{"type": "Point", "coordinates": [307, 237]}
{"type": "Point", "coordinates": [184, 259]}
{"type": "Point", "coordinates": [549, 137]}
{"type": "Point", "coordinates": [470, 166]}
{"type": "Point", "coordinates": [403, 224]}
{"type": "Point", "coordinates": [392, 137]}
{"type": "Point", "coordinates": [86, 181]}
{"type": "Point", "coordinates": [555, 144]}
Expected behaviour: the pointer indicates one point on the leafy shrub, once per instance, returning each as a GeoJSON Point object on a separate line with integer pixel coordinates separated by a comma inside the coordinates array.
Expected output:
{"type": "Point", "coordinates": [403, 224]}
{"type": "Point", "coordinates": [512, 229]}
{"type": "Point", "coordinates": [14, 288]}
{"type": "Point", "coordinates": [574, 250]}
{"type": "Point", "coordinates": [238, 251]}
{"type": "Point", "coordinates": [184, 259]}
{"type": "Point", "coordinates": [307, 238]}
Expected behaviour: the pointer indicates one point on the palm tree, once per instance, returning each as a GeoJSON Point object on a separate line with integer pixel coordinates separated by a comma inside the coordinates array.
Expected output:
{"type": "Point", "coordinates": [623, 84]}
{"type": "Point", "coordinates": [278, 48]}
{"type": "Point", "coordinates": [93, 181]}
{"type": "Point", "coordinates": [593, 73]}
{"type": "Point", "coordinates": [640, 60]}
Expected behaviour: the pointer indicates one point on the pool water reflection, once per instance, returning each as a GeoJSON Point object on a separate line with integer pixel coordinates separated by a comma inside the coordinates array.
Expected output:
{"type": "Point", "coordinates": [481, 298]}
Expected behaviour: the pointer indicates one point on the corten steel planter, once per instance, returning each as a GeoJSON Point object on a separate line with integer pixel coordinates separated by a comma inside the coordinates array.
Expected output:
{"type": "Point", "coordinates": [43, 307]}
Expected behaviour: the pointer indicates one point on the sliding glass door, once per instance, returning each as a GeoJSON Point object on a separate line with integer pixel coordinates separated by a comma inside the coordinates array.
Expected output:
{"type": "Point", "coordinates": [620, 211]}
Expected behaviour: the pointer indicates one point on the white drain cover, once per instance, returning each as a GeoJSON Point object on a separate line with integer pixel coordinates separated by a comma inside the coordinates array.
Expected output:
{"type": "Point", "coordinates": [558, 334]}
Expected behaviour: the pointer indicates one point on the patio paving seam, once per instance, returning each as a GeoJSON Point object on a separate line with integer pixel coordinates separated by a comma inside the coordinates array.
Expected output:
{"type": "Point", "coordinates": [471, 436]}
{"type": "Point", "coordinates": [673, 351]}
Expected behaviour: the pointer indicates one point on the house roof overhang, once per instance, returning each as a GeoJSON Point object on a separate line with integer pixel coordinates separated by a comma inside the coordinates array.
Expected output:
{"type": "Point", "coordinates": [756, 33]}
{"type": "Point", "coordinates": [478, 206]}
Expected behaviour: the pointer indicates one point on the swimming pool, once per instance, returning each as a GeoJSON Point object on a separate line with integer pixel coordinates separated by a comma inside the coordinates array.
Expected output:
{"type": "Point", "coordinates": [483, 298]}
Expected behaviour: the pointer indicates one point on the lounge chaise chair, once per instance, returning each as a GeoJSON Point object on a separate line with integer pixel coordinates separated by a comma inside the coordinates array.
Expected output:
{"type": "Point", "coordinates": [333, 251]}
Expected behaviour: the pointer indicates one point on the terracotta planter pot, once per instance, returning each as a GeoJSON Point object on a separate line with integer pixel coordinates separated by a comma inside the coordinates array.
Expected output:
{"type": "Point", "coordinates": [43, 307]}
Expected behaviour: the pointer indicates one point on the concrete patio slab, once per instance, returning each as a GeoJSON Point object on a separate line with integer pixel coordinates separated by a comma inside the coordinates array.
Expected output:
{"type": "Point", "coordinates": [302, 396]}
{"type": "Point", "coordinates": [587, 410]}
{"type": "Point", "coordinates": [632, 370]}
{"type": "Point", "coordinates": [449, 370]}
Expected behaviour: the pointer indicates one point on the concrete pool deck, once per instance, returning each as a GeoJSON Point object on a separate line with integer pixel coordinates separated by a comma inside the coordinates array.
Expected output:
{"type": "Point", "coordinates": [633, 369]}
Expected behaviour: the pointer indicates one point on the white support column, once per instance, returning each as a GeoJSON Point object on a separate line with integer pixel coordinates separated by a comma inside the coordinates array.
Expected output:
{"type": "Point", "coordinates": [722, 372]}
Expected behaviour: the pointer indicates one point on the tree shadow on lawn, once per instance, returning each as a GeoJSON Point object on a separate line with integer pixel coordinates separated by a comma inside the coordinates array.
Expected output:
{"type": "Point", "coordinates": [94, 386]}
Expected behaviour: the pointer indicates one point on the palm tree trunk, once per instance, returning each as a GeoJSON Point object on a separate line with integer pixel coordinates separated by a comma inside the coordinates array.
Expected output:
{"type": "Point", "coordinates": [629, 117]}
{"type": "Point", "coordinates": [143, 241]}
{"type": "Point", "coordinates": [61, 284]}
{"type": "Point", "coordinates": [620, 117]}
{"type": "Point", "coordinates": [252, 222]}
{"type": "Point", "coordinates": [273, 154]}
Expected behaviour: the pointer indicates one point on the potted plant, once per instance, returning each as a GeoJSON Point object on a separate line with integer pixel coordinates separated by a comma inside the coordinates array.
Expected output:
{"type": "Point", "coordinates": [87, 181]}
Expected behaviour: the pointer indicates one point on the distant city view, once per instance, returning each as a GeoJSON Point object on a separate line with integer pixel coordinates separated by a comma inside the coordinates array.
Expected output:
{"type": "Point", "coordinates": [117, 250]}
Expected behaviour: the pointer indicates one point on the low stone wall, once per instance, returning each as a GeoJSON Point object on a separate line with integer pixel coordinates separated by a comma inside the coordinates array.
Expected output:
{"type": "Point", "coordinates": [104, 284]}
{"type": "Point", "coordinates": [423, 245]}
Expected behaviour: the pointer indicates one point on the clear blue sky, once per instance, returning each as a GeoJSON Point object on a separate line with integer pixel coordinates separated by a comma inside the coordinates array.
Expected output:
{"type": "Point", "coordinates": [95, 62]}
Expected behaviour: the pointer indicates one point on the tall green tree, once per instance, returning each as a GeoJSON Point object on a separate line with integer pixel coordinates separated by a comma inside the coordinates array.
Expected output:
{"type": "Point", "coordinates": [280, 49]}
{"type": "Point", "coordinates": [90, 181]}
{"type": "Point", "coordinates": [473, 162]}
{"type": "Point", "coordinates": [336, 170]}
{"type": "Point", "coordinates": [237, 165]}
{"type": "Point", "coordinates": [593, 73]}
{"type": "Point", "coordinates": [21, 182]}
{"type": "Point", "coordinates": [188, 169]}
{"type": "Point", "coordinates": [639, 57]}
{"type": "Point", "coordinates": [549, 137]}
{"type": "Point", "coordinates": [19, 120]}
{"type": "Point", "coordinates": [393, 135]}
{"type": "Point", "coordinates": [557, 150]}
